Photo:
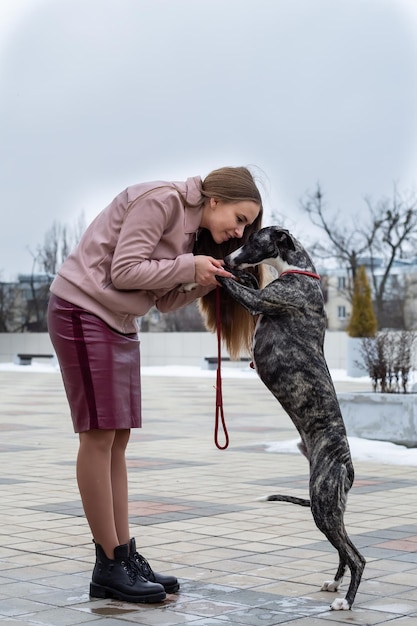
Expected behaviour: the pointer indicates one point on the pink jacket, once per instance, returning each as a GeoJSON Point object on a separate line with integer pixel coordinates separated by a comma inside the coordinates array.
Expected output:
{"type": "Point", "coordinates": [135, 254]}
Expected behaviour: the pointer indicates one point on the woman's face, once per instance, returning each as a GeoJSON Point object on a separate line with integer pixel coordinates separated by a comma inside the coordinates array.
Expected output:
{"type": "Point", "coordinates": [227, 220]}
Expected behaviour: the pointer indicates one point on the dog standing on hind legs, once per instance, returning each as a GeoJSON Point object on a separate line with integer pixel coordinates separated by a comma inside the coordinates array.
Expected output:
{"type": "Point", "coordinates": [289, 358]}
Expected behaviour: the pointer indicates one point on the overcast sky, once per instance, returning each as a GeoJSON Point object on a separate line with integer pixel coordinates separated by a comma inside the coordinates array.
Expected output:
{"type": "Point", "coordinates": [96, 95]}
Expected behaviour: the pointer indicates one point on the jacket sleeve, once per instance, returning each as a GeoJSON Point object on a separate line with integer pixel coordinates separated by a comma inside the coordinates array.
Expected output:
{"type": "Point", "coordinates": [175, 299]}
{"type": "Point", "coordinates": [133, 267]}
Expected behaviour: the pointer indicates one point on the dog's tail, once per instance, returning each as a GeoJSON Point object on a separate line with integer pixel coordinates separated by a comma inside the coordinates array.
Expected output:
{"type": "Point", "coordinates": [292, 499]}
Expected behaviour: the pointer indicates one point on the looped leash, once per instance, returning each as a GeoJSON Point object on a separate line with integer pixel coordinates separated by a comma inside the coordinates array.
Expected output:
{"type": "Point", "coordinates": [219, 395]}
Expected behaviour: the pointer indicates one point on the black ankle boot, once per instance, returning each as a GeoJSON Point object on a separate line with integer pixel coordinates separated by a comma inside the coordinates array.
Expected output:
{"type": "Point", "coordinates": [169, 583]}
{"type": "Point", "coordinates": [119, 578]}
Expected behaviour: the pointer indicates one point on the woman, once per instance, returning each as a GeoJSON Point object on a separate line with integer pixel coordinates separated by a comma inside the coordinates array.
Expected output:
{"type": "Point", "coordinates": [137, 253]}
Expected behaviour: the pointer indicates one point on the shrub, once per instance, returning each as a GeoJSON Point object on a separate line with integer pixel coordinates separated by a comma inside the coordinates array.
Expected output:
{"type": "Point", "coordinates": [388, 360]}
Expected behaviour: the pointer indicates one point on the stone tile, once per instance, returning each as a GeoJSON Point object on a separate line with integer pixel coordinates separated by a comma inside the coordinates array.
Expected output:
{"type": "Point", "coordinates": [193, 512]}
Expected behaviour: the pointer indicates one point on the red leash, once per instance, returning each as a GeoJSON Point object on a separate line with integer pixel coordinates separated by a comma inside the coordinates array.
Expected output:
{"type": "Point", "coordinates": [219, 395]}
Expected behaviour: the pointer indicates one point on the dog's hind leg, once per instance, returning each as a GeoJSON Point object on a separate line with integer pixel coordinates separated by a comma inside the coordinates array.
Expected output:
{"type": "Point", "coordinates": [333, 585]}
{"type": "Point", "coordinates": [328, 502]}
{"type": "Point", "coordinates": [349, 557]}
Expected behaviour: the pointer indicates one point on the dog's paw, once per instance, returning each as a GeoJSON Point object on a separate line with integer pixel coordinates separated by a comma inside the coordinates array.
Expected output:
{"type": "Point", "coordinates": [246, 278]}
{"type": "Point", "coordinates": [340, 604]}
{"type": "Point", "coordinates": [222, 279]}
{"type": "Point", "coordinates": [331, 585]}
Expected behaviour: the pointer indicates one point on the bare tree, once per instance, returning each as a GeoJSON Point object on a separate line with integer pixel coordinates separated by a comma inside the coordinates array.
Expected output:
{"type": "Point", "coordinates": [23, 304]}
{"type": "Point", "coordinates": [396, 238]}
{"type": "Point", "coordinates": [58, 242]}
{"type": "Point", "coordinates": [47, 255]}
{"type": "Point", "coordinates": [346, 245]}
{"type": "Point", "coordinates": [10, 320]}
{"type": "Point", "coordinates": [387, 232]}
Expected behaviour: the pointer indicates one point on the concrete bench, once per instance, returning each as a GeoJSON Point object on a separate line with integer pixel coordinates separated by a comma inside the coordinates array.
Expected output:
{"type": "Point", "coordinates": [26, 359]}
{"type": "Point", "coordinates": [212, 361]}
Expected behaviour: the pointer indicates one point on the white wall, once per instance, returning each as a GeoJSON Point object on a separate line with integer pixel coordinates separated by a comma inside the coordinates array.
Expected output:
{"type": "Point", "coordinates": [177, 348]}
{"type": "Point", "coordinates": [162, 348]}
{"type": "Point", "coordinates": [335, 348]}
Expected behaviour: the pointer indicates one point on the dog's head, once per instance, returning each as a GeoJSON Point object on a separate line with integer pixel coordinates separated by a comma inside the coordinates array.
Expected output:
{"type": "Point", "coordinates": [264, 246]}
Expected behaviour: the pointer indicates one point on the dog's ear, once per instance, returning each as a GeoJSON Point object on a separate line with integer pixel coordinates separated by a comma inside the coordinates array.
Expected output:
{"type": "Point", "coordinates": [283, 238]}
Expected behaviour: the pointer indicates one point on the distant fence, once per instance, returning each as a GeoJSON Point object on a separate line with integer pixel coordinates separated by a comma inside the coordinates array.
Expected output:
{"type": "Point", "coordinates": [162, 348]}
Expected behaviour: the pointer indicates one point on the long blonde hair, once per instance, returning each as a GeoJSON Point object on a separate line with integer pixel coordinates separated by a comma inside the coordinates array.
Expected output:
{"type": "Point", "coordinates": [230, 184]}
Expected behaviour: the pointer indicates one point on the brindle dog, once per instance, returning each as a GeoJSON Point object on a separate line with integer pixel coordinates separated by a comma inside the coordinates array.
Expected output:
{"type": "Point", "coordinates": [289, 358]}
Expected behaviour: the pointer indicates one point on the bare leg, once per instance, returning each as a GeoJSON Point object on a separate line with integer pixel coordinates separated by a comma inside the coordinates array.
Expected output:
{"type": "Point", "coordinates": [94, 476]}
{"type": "Point", "coordinates": [119, 483]}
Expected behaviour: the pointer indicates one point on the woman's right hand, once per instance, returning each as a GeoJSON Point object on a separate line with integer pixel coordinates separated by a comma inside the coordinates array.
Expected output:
{"type": "Point", "coordinates": [206, 268]}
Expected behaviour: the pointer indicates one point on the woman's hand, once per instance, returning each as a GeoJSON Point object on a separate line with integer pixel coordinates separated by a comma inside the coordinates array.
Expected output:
{"type": "Point", "coordinates": [206, 268]}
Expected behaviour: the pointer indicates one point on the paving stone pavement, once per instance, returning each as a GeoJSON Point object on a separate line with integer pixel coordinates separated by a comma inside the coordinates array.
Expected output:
{"type": "Point", "coordinates": [194, 513]}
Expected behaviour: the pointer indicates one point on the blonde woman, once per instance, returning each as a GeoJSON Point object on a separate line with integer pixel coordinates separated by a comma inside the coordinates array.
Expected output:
{"type": "Point", "coordinates": [152, 238]}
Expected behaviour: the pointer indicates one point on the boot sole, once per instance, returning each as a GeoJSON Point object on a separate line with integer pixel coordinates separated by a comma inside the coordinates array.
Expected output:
{"type": "Point", "coordinates": [171, 588]}
{"type": "Point", "coordinates": [98, 591]}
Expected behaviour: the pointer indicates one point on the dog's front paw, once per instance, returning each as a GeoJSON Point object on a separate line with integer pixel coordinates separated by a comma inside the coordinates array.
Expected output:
{"type": "Point", "coordinates": [223, 280]}
{"type": "Point", "coordinates": [331, 585]}
{"type": "Point", "coordinates": [340, 604]}
{"type": "Point", "coordinates": [246, 278]}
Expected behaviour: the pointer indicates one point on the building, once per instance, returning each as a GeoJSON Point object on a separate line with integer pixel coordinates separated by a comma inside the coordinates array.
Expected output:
{"type": "Point", "coordinates": [400, 292]}
{"type": "Point", "coordinates": [23, 303]}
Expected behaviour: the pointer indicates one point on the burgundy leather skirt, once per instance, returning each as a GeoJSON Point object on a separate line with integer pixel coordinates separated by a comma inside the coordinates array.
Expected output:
{"type": "Point", "coordinates": [100, 368]}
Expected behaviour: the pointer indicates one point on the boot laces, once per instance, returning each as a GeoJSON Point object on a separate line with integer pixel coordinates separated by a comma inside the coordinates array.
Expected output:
{"type": "Point", "coordinates": [131, 571]}
{"type": "Point", "coordinates": [143, 567]}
